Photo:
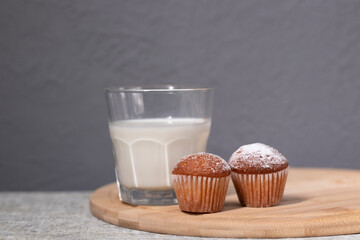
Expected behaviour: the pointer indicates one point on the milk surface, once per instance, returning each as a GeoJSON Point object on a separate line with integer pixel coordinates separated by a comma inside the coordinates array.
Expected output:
{"type": "Point", "coordinates": [146, 150]}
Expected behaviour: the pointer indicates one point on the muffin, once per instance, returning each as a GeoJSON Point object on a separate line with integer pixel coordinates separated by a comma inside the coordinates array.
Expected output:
{"type": "Point", "coordinates": [200, 182]}
{"type": "Point", "coordinates": [259, 174]}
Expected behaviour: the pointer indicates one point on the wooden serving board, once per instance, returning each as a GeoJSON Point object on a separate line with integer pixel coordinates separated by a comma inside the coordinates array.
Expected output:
{"type": "Point", "coordinates": [317, 202]}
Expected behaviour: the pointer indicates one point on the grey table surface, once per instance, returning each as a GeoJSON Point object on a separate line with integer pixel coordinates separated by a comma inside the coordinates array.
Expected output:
{"type": "Point", "coordinates": [66, 215]}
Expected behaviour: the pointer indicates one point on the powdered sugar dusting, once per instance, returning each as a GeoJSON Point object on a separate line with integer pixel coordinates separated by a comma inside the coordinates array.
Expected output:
{"type": "Point", "coordinates": [257, 155]}
{"type": "Point", "coordinates": [257, 148]}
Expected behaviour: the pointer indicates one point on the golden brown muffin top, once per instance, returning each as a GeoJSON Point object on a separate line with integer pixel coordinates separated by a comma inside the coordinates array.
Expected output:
{"type": "Point", "coordinates": [202, 164]}
{"type": "Point", "coordinates": [257, 158]}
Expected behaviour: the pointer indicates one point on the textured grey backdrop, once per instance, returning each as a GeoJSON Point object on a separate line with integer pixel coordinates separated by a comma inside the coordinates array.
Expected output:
{"type": "Point", "coordinates": [286, 73]}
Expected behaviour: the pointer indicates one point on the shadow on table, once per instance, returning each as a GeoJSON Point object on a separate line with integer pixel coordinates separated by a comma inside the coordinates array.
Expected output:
{"type": "Point", "coordinates": [232, 202]}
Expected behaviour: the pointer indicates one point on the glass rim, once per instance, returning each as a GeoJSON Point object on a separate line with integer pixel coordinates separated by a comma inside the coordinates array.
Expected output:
{"type": "Point", "coordinates": [158, 88]}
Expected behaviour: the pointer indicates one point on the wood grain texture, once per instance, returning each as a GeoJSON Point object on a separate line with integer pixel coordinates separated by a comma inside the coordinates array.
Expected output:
{"type": "Point", "coordinates": [317, 202]}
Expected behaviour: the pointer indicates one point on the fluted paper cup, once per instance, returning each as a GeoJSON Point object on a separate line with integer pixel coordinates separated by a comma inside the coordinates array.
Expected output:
{"type": "Point", "coordinates": [200, 194]}
{"type": "Point", "coordinates": [260, 190]}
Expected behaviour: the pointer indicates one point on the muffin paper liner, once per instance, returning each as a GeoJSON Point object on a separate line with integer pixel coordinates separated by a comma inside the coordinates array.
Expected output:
{"type": "Point", "coordinates": [200, 194]}
{"type": "Point", "coordinates": [260, 190]}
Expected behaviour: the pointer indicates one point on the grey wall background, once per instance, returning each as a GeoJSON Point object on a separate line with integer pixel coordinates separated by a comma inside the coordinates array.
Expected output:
{"type": "Point", "coordinates": [286, 73]}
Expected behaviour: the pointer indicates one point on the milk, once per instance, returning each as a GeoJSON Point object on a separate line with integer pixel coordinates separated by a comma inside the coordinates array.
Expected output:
{"type": "Point", "coordinates": [146, 150]}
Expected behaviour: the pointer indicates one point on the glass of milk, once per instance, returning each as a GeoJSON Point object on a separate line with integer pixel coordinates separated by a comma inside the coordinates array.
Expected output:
{"type": "Point", "coordinates": [151, 128]}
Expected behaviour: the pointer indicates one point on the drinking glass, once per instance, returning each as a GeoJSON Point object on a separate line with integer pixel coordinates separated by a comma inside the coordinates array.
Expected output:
{"type": "Point", "coordinates": [151, 128]}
